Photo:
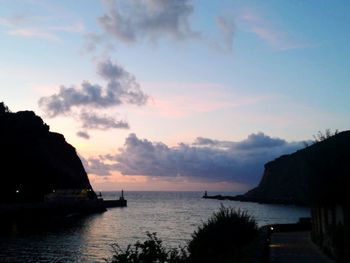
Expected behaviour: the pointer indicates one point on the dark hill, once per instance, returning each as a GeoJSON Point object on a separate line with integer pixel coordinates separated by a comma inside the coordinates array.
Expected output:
{"type": "Point", "coordinates": [318, 173]}
{"type": "Point", "coordinates": [35, 161]}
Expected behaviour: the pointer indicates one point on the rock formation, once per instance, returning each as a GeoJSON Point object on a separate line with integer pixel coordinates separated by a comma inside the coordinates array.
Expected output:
{"type": "Point", "coordinates": [35, 161]}
{"type": "Point", "coordinates": [318, 172]}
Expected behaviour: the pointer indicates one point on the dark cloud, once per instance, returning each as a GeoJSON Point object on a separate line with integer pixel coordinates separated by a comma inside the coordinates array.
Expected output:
{"type": "Point", "coordinates": [259, 140]}
{"type": "Point", "coordinates": [121, 88]}
{"type": "Point", "coordinates": [83, 134]}
{"type": "Point", "coordinates": [86, 102]}
{"type": "Point", "coordinates": [96, 166]}
{"type": "Point", "coordinates": [204, 141]}
{"type": "Point", "coordinates": [94, 121]}
{"type": "Point", "coordinates": [132, 20]}
{"type": "Point", "coordinates": [205, 159]}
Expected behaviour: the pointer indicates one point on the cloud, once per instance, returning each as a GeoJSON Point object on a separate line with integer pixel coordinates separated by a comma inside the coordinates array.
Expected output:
{"type": "Point", "coordinates": [83, 134]}
{"type": "Point", "coordinates": [254, 23]}
{"type": "Point", "coordinates": [26, 25]}
{"type": "Point", "coordinates": [121, 88]}
{"type": "Point", "coordinates": [14, 20]}
{"type": "Point", "coordinates": [96, 166]}
{"type": "Point", "coordinates": [133, 20]}
{"type": "Point", "coordinates": [259, 140]}
{"type": "Point", "coordinates": [94, 121]}
{"type": "Point", "coordinates": [86, 101]}
{"type": "Point", "coordinates": [204, 141]}
{"type": "Point", "coordinates": [77, 27]}
{"type": "Point", "coordinates": [205, 159]}
{"type": "Point", "coordinates": [33, 33]}
{"type": "Point", "coordinates": [227, 29]}
{"type": "Point", "coordinates": [91, 42]}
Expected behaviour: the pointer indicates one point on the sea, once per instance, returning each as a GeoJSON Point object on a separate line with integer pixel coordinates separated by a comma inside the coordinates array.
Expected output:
{"type": "Point", "coordinates": [174, 216]}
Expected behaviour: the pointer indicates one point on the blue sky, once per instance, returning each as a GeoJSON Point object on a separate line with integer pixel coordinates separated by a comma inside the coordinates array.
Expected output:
{"type": "Point", "coordinates": [162, 73]}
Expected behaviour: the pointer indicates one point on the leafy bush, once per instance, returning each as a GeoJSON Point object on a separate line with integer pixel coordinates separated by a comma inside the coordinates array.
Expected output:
{"type": "Point", "coordinates": [150, 251]}
{"type": "Point", "coordinates": [224, 238]}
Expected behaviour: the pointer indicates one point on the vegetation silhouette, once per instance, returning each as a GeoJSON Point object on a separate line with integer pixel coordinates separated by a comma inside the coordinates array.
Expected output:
{"type": "Point", "coordinates": [321, 136]}
{"type": "Point", "coordinates": [225, 237]}
{"type": "Point", "coordinates": [228, 236]}
{"type": "Point", "coordinates": [3, 108]}
{"type": "Point", "coordinates": [151, 250]}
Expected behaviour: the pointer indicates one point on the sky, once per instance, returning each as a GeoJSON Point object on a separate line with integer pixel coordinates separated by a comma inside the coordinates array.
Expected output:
{"type": "Point", "coordinates": [178, 95]}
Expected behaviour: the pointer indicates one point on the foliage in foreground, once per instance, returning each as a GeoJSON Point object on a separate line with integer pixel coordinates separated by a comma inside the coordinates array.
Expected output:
{"type": "Point", "coordinates": [151, 250]}
{"type": "Point", "coordinates": [225, 237]}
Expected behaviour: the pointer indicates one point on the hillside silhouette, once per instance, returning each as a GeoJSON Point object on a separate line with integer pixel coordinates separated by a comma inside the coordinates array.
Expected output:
{"type": "Point", "coordinates": [35, 161]}
{"type": "Point", "coordinates": [320, 172]}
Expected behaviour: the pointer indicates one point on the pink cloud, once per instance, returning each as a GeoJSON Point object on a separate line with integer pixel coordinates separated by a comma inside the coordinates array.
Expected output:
{"type": "Point", "coordinates": [254, 23]}
{"type": "Point", "coordinates": [182, 100]}
{"type": "Point", "coordinates": [77, 27]}
{"type": "Point", "coordinates": [33, 33]}
{"type": "Point", "coordinates": [181, 106]}
{"type": "Point", "coordinates": [28, 26]}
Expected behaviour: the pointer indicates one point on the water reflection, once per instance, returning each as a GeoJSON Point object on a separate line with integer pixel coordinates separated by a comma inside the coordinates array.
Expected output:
{"type": "Point", "coordinates": [173, 215]}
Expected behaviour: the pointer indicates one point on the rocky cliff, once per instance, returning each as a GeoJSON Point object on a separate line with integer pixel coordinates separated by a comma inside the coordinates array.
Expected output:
{"type": "Point", "coordinates": [35, 161]}
{"type": "Point", "coordinates": [318, 173]}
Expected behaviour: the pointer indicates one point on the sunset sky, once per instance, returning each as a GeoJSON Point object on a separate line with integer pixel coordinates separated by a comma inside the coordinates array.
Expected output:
{"type": "Point", "coordinates": [178, 94]}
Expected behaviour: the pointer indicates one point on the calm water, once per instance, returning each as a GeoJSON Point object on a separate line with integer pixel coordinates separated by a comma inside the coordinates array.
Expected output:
{"type": "Point", "coordinates": [173, 215]}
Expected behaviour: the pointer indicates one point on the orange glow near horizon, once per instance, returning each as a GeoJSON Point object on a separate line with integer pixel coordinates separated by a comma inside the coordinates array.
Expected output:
{"type": "Point", "coordinates": [117, 181]}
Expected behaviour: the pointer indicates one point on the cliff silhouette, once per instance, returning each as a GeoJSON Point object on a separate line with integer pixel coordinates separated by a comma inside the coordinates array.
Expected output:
{"type": "Point", "coordinates": [317, 173]}
{"type": "Point", "coordinates": [34, 161]}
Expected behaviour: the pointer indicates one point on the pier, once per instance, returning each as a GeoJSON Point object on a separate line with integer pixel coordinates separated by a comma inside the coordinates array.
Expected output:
{"type": "Point", "coordinates": [121, 202]}
{"type": "Point", "coordinates": [115, 203]}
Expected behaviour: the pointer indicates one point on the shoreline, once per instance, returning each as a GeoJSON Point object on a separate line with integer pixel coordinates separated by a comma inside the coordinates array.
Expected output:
{"type": "Point", "coordinates": [53, 208]}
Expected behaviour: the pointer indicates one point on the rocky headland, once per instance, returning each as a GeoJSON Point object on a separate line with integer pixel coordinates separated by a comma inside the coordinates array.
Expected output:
{"type": "Point", "coordinates": [39, 169]}
{"type": "Point", "coordinates": [318, 172]}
